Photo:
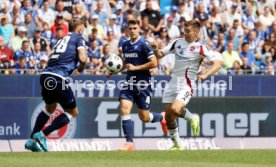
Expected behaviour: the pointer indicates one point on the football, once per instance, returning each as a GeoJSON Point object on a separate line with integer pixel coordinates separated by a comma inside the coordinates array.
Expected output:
{"type": "Point", "coordinates": [114, 64]}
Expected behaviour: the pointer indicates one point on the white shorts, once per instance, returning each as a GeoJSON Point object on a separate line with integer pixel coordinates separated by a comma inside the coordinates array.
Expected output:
{"type": "Point", "coordinates": [178, 90]}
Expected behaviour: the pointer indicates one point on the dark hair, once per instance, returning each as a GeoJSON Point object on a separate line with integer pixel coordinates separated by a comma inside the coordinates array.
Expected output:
{"type": "Point", "coordinates": [74, 24]}
{"type": "Point", "coordinates": [25, 41]}
{"type": "Point", "coordinates": [133, 22]}
{"type": "Point", "coordinates": [245, 43]}
{"type": "Point", "coordinates": [194, 23]}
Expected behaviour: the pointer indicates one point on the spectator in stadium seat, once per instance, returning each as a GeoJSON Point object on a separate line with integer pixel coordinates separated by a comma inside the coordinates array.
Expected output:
{"type": "Point", "coordinates": [271, 30]}
{"type": "Point", "coordinates": [36, 53]}
{"type": "Point", "coordinates": [266, 63]}
{"type": "Point", "coordinates": [94, 36]}
{"type": "Point", "coordinates": [270, 70]}
{"type": "Point", "coordinates": [154, 17]}
{"type": "Point", "coordinates": [6, 57]}
{"type": "Point", "coordinates": [236, 69]}
{"type": "Point", "coordinates": [248, 19]}
{"type": "Point", "coordinates": [79, 13]}
{"type": "Point", "coordinates": [4, 12]}
{"type": "Point", "coordinates": [266, 18]}
{"type": "Point", "coordinates": [200, 12]}
{"type": "Point", "coordinates": [239, 32]}
{"type": "Point", "coordinates": [6, 30]}
{"type": "Point", "coordinates": [25, 51]}
{"type": "Point", "coordinates": [38, 38]}
{"type": "Point", "coordinates": [173, 14]}
{"type": "Point", "coordinates": [132, 10]}
{"type": "Point", "coordinates": [232, 15]}
{"type": "Point", "coordinates": [16, 19]}
{"type": "Point", "coordinates": [246, 69]}
{"type": "Point", "coordinates": [42, 64]}
{"type": "Point", "coordinates": [94, 49]}
{"type": "Point", "coordinates": [94, 65]}
{"type": "Point", "coordinates": [21, 67]}
{"type": "Point", "coordinates": [163, 36]}
{"type": "Point", "coordinates": [231, 36]}
{"type": "Point", "coordinates": [46, 14]}
{"type": "Point", "coordinates": [60, 10]}
{"type": "Point", "coordinates": [246, 52]}
{"type": "Point", "coordinates": [16, 42]}
{"type": "Point", "coordinates": [230, 56]}
{"type": "Point", "coordinates": [220, 43]}
{"type": "Point", "coordinates": [54, 39]}
{"type": "Point", "coordinates": [183, 12]}
{"type": "Point", "coordinates": [113, 43]}
{"type": "Point", "coordinates": [147, 34]}
{"type": "Point", "coordinates": [60, 22]}
{"type": "Point", "coordinates": [112, 26]}
{"type": "Point", "coordinates": [181, 24]}
{"type": "Point", "coordinates": [255, 44]}
{"type": "Point", "coordinates": [26, 8]}
{"type": "Point", "coordinates": [29, 24]}
{"type": "Point", "coordinates": [172, 29]}
{"type": "Point", "coordinates": [69, 5]}
{"type": "Point", "coordinates": [102, 15]}
{"type": "Point", "coordinates": [46, 32]}
{"type": "Point", "coordinates": [95, 24]}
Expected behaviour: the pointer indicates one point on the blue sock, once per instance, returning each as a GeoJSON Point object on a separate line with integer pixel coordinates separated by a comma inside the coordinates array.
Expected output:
{"type": "Point", "coordinates": [41, 120]}
{"type": "Point", "coordinates": [157, 117]}
{"type": "Point", "coordinates": [128, 130]}
{"type": "Point", "coordinates": [57, 123]}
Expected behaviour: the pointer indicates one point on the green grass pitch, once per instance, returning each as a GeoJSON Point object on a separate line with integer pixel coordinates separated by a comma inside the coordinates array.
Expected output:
{"type": "Point", "coordinates": [216, 158]}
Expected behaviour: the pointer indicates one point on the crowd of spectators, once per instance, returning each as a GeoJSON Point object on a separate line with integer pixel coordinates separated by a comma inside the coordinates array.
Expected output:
{"type": "Point", "coordinates": [242, 31]}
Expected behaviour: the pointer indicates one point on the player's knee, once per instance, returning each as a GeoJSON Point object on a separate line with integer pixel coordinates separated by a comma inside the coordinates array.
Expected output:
{"type": "Point", "coordinates": [144, 118]}
{"type": "Point", "coordinates": [51, 108]}
{"type": "Point", "coordinates": [74, 112]}
{"type": "Point", "coordinates": [175, 109]}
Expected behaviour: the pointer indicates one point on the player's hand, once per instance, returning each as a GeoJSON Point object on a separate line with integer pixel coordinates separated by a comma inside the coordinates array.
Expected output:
{"type": "Point", "coordinates": [131, 67]}
{"type": "Point", "coordinates": [200, 78]}
{"type": "Point", "coordinates": [153, 45]}
{"type": "Point", "coordinates": [107, 74]}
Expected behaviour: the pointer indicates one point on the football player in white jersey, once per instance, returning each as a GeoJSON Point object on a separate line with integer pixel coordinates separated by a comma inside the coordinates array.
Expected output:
{"type": "Point", "coordinates": [189, 53]}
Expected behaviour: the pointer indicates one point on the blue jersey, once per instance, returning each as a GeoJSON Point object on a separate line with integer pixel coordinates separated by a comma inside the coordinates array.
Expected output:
{"type": "Point", "coordinates": [64, 57]}
{"type": "Point", "coordinates": [137, 53]}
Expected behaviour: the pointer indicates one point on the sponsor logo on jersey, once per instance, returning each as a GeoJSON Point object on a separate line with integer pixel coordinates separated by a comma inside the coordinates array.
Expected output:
{"type": "Point", "coordinates": [66, 132]}
{"type": "Point", "coordinates": [192, 48]}
{"type": "Point", "coordinates": [131, 55]}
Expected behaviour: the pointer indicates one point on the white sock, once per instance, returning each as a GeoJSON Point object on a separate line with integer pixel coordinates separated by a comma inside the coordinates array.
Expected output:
{"type": "Point", "coordinates": [150, 116]}
{"type": "Point", "coordinates": [188, 115]}
{"type": "Point", "coordinates": [175, 137]}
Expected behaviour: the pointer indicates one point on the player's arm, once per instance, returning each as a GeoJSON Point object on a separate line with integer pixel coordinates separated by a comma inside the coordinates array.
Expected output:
{"type": "Point", "coordinates": [159, 53]}
{"type": "Point", "coordinates": [82, 58]}
{"type": "Point", "coordinates": [214, 58]}
{"type": "Point", "coordinates": [149, 65]}
{"type": "Point", "coordinates": [216, 65]}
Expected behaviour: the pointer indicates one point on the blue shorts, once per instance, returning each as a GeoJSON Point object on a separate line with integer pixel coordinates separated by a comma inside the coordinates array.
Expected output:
{"type": "Point", "coordinates": [142, 98]}
{"type": "Point", "coordinates": [53, 90]}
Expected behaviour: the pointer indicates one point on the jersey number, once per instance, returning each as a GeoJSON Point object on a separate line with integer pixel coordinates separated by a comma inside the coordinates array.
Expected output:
{"type": "Point", "coordinates": [61, 45]}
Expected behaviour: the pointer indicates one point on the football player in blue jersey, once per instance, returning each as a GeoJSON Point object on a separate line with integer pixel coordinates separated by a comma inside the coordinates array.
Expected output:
{"type": "Point", "coordinates": [66, 54]}
{"type": "Point", "coordinates": [138, 60]}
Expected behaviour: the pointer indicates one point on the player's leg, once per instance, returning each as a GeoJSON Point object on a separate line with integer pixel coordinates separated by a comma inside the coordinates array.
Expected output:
{"type": "Point", "coordinates": [172, 127]}
{"type": "Point", "coordinates": [67, 100]}
{"type": "Point", "coordinates": [180, 110]}
{"type": "Point", "coordinates": [44, 115]}
{"type": "Point", "coordinates": [125, 109]}
{"type": "Point", "coordinates": [143, 101]}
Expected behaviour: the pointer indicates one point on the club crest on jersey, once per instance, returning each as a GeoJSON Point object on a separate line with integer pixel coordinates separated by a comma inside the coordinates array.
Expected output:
{"type": "Point", "coordinates": [180, 50]}
{"type": "Point", "coordinates": [192, 48]}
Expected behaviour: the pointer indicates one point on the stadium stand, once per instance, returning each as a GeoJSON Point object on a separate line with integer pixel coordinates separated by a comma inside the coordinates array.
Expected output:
{"type": "Point", "coordinates": [243, 31]}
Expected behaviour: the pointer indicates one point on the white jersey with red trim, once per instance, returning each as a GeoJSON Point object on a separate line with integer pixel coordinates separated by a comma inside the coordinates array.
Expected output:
{"type": "Point", "coordinates": [188, 57]}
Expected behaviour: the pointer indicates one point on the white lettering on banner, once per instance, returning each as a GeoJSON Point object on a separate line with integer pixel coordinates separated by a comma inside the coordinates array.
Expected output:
{"type": "Point", "coordinates": [10, 130]}
{"type": "Point", "coordinates": [104, 117]}
{"type": "Point", "coordinates": [189, 144]}
{"type": "Point", "coordinates": [237, 124]}
{"type": "Point", "coordinates": [212, 124]}
{"type": "Point", "coordinates": [79, 145]}
{"type": "Point", "coordinates": [255, 119]}
{"type": "Point", "coordinates": [218, 128]}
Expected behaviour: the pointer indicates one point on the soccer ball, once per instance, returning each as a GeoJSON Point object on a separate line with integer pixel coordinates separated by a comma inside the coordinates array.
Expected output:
{"type": "Point", "coordinates": [114, 64]}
